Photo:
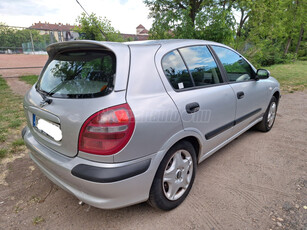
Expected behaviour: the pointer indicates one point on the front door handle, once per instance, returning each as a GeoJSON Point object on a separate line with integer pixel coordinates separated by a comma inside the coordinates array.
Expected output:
{"type": "Point", "coordinates": [192, 107]}
{"type": "Point", "coordinates": [240, 95]}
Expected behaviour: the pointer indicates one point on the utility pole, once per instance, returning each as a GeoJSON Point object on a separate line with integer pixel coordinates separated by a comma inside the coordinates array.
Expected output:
{"type": "Point", "coordinates": [32, 42]}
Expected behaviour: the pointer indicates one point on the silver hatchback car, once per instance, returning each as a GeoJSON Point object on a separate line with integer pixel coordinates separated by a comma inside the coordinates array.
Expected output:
{"type": "Point", "coordinates": [117, 124]}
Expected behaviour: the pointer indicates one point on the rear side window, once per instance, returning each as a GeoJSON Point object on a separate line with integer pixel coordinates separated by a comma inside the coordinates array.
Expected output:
{"type": "Point", "coordinates": [79, 74]}
{"type": "Point", "coordinates": [236, 67]}
{"type": "Point", "coordinates": [191, 67]}
{"type": "Point", "coordinates": [176, 71]}
{"type": "Point", "coordinates": [201, 65]}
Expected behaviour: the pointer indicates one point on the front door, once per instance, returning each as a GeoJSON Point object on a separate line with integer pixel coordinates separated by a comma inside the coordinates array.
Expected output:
{"type": "Point", "coordinates": [250, 94]}
{"type": "Point", "coordinates": [205, 101]}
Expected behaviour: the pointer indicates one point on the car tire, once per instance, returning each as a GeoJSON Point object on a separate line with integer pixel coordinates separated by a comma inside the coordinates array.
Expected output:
{"type": "Point", "coordinates": [269, 116]}
{"type": "Point", "coordinates": [174, 177]}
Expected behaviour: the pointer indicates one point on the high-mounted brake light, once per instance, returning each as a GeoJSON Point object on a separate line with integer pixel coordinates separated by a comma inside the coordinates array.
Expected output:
{"type": "Point", "coordinates": [108, 131]}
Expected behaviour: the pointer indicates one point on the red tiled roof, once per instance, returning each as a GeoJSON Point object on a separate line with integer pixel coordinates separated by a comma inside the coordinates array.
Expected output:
{"type": "Point", "coordinates": [52, 27]}
{"type": "Point", "coordinates": [144, 31]}
{"type": "Point", "coordinates": [140, 26]}
{"type": "Point", "coordinates": [61, 27]}
{"type": "Point", "coordinates": [135, 37]}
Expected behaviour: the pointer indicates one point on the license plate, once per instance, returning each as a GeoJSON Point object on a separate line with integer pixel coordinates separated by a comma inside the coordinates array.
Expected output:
{"type": "Point", "coordinates": [50, 129]}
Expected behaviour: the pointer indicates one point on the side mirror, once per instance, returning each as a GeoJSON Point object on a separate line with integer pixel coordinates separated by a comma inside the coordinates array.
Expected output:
{"type": "Point", "coordinates": [262, 74]}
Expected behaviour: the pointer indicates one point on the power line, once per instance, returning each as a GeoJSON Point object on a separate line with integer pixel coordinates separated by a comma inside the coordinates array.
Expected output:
{"type": "Point", "coordinates": [93, 21]}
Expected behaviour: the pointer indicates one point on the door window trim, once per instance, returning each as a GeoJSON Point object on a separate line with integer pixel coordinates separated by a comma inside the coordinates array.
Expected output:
{"type": "Point", "coordinates": [188, 69]}
{"type": "Point", "coordinates": [222, 68]}
{"type": "Point", "coordinates": [223, 79]}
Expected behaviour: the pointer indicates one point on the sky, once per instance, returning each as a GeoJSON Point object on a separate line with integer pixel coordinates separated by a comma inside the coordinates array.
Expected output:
{"type": "Point", "coordinates": [125, 15]}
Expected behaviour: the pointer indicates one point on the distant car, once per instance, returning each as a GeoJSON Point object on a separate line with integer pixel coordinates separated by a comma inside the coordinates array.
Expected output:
{"type": "Point", "coordinates": [117, 124]}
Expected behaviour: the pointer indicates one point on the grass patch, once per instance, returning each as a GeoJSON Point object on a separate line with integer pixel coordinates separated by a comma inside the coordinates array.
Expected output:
{"type": "Point", "coordinates": [12, 120]}
{"type": "Point", "coordinates": [18, 142]}
{"type": "Point", "coordinates": [17, 146]}
{"type": "Point", "coordinates": [14, 123]}
{"type": "Point", "coordinates": [10, 108]}
{"type": "Point", "coordinates": [2, 134]}
{"type": "Point", "coordinates": [2, 137]}
{"type": "Point", "coordinates": [38, 220]}
{"type": "Point", "coordinates": [292, 77]}
{"type": "Point", "coordinates": [30, 79]}
{"type": "Point", "coordinates": [34, 199]}
{"type": "Point", "coordinates": [3, 153]}
{"type": "Point", "coordinates": [18, 209]}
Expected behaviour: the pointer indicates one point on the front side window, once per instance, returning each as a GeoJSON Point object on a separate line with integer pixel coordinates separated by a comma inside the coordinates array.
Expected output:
{"type": "Point", "coordinates": [236, 67]}
{"type": "Point", "coordinates": [176, 71]}
{"type": "Point", "coordinates": [79, 74]}
{"type": "Point", "coordinates": [201, 65]}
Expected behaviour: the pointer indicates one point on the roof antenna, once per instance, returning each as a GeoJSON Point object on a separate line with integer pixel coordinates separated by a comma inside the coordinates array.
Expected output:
{"type": "Point", "coordinates": [93, 21]}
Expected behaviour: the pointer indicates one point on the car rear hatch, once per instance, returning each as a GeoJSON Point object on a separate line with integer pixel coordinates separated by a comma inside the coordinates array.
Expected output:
{"type": "Point", "coordinates": [79, 79]}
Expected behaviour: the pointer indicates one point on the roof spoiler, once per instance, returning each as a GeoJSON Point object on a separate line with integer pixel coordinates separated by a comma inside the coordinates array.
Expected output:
{"type": "Point", "coordinates": [54, 48]}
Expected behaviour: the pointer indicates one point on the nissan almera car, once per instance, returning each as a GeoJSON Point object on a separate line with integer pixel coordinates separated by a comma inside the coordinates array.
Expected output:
{"type": "Point", "coordinates": [117, 124]}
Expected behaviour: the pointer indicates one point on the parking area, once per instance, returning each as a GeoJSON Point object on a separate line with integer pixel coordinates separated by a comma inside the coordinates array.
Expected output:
{"type": "Point", "coordinates": [258, 181]}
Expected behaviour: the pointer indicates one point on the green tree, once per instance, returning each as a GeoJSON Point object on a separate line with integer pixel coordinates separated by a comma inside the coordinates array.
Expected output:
{"type": "Point", "coordinates": [88, 30]}
{"type": "Point", "coordinates": [295, 22]}
{"type": "Point", "coordinates": [267, 32]}
{"type": "Point", "coordinates": [199, 19]}
{"type": "Point", "coordinates": [275, 30]}
{"type": "Point", "coordinates": [13, 37]}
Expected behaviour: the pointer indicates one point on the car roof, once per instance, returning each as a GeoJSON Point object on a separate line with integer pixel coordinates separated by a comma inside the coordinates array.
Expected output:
{"type": "Point", "coordinates": [166, 42]}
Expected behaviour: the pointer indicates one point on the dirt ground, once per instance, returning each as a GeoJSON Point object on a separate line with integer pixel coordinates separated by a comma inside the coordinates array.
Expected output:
{"type": "Point", "coordinates": [21, 60]}
{"type": "Point", "coordinates": [258, 181]}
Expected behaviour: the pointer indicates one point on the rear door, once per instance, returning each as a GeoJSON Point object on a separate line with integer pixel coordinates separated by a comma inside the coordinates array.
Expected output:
{"type": "Point", "coordinates": [75, 84]}
{"type": "Point", "coordinates": [250, 94]}
{"type": "Point", "coordinates": [205, 102]}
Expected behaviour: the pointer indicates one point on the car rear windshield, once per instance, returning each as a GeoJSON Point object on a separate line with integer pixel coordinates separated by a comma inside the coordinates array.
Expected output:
{"type": "Point", "coordinates": [79, 74]}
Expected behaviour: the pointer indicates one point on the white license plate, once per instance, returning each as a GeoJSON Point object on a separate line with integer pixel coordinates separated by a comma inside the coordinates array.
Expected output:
{"type": "Point", "coordinates": [49, 128]}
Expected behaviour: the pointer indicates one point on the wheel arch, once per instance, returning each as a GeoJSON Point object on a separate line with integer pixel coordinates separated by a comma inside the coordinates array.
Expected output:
{"type": "Point", "coordinates": [156, 198]}
{"type": "Point", "coordinates": [276, 94]}
{"type": "Point", "coordinates": [195, 142]}
{"type": "Point", "coordinates": [192, 136]}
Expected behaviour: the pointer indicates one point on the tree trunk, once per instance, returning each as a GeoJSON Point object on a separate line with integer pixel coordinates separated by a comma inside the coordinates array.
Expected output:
{"type": "Point", "coordinates": [192, 17]}
{"type": "Point", "coordinates": [241, 24]}
{"type": "Point", "coordinates": [299, 39]}
{"type": "Point", "coordinates": [224, 5]}
{"type": "Point", "coordinates": [288, 45]}
{"type": "Point", "coordinates": [195, 8]}
{"type": "Point", "coordinates": [242, 21]}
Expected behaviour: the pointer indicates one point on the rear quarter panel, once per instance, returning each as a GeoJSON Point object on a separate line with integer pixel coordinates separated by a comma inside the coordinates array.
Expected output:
{"type": "Point", "coordinates": [156, 116]}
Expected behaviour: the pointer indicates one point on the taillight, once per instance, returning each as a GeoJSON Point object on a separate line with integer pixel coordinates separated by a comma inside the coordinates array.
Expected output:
{"type": "Point", "coordinates": [108, 131]}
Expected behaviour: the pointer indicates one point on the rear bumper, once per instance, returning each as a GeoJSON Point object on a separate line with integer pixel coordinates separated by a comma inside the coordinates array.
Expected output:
{"type": "Point", "coordinates": [106, 175]}
{"type": "Point", "coordinates": [98, 184]}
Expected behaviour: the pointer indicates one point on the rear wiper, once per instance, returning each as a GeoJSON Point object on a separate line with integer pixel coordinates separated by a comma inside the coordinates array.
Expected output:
{"type": "Point", "coordinates": [58, 87]}
{"type": "Point", "coordinates": [70, 78]}
{"type": "Point", "coordinates": [45, 99]}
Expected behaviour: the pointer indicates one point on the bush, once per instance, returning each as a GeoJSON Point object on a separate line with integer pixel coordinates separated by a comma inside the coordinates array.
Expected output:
{"type": "Point", "coordinates": [267, 55]}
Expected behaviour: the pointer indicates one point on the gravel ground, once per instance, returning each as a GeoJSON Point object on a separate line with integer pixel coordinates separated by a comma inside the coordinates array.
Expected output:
{"type": "Point", "coordinates": [258, 181]}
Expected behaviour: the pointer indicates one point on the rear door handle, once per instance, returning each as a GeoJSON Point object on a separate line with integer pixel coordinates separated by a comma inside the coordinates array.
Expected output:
{"type": "Point", "coordinates": [192, 107]}
{"type": "Point", "coordinates": [240, 95]}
